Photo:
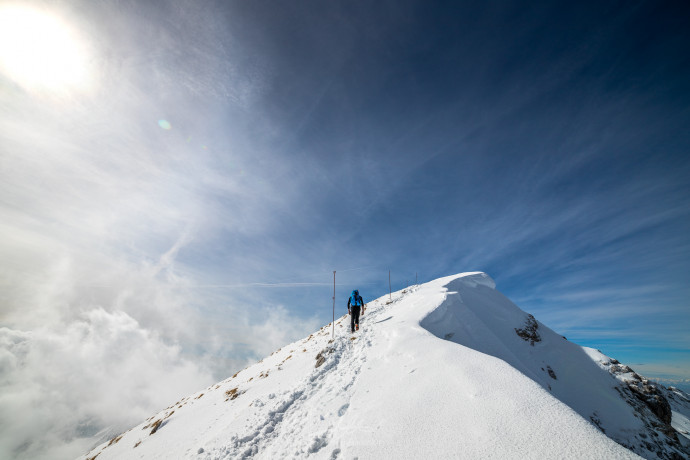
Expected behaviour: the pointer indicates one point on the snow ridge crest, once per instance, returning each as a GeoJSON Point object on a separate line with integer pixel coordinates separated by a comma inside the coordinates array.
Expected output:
{"type": "Point", "coordinates": [394, 390]}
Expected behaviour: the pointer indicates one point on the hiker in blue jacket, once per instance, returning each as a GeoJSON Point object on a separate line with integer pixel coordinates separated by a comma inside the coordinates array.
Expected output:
{"type": "Point", "coordinates": [354, 303]}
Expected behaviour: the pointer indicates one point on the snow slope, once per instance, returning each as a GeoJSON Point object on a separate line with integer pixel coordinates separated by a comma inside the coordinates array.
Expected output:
{"type": "Point", "coordinates": [597, 387]}
{"type": "Point", "coordinates": [438, 372]}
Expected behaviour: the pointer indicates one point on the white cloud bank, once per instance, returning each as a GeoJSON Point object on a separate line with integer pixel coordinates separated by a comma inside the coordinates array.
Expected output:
{"type": "Point", "coordinates": [101, 371]}
{"type": "Point", "coordinates": [89, 344]}
{"type": "Point", "coordinates": [91, 341]}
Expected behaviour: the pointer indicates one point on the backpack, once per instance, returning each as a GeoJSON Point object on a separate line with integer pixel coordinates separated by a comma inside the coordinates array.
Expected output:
{"type": "Point", "coordinates": [355, 299]}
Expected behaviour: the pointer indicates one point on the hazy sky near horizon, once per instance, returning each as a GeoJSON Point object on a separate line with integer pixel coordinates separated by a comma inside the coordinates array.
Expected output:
{"type": "Point", "coordinates": [179, 179]}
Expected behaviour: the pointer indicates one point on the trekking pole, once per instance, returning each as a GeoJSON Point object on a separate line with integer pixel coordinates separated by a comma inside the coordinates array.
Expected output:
{"type": "Point", "coordinates": [333, 335]}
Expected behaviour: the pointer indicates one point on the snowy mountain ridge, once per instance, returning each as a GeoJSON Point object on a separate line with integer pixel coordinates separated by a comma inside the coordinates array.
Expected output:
{"type": "Point", "coordinates": [447, 369]}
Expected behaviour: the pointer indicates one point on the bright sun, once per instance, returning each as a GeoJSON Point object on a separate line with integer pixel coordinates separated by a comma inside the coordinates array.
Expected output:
{"type": "Point", "coordinates": [40, 52]}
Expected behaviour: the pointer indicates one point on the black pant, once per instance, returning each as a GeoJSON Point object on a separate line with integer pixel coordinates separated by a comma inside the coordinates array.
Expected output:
{"type": "Point", "coordinates": [354, 317]}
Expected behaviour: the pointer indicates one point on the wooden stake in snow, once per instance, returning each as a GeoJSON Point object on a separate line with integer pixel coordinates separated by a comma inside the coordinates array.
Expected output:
{"type": "Point", "coordinates": [333, 335]}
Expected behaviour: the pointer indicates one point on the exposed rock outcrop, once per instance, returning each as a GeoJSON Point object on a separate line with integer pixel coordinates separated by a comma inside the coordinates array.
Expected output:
{"type": "Point", "coordinates": [652, 406]}
{"type": "Point", "coordinates": [529, 332]}
{"type": "Point", "coordinates": [321, 356]}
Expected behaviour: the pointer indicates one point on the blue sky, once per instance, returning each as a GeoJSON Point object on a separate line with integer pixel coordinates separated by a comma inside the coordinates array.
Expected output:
{"type": "Point", "coordinates": [190, 192]}
{"type": "Point", "coordinates": [546, 145]}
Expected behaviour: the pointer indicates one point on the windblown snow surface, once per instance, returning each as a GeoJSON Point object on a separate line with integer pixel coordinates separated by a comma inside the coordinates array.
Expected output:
{"type": "Point", "coordinates": [447, 369]}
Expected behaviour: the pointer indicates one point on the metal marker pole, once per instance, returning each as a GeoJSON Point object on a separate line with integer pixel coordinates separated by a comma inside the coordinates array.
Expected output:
{"type": "Point", "coordinates": [333, 336]}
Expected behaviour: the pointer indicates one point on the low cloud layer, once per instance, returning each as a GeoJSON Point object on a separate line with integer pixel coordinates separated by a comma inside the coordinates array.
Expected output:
{"type": "Point", "coordinates": [93, 345]}
{"type": "Point", "coordinates": [102, 371]}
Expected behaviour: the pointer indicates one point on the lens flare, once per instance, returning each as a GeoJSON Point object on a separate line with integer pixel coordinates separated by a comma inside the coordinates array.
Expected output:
{"type": "Point", "coordinates": [165, 124]}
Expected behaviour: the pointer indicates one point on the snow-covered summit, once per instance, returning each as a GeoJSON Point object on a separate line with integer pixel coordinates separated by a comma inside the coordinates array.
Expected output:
{"type": "Point", "coordinates": [447, 369]}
